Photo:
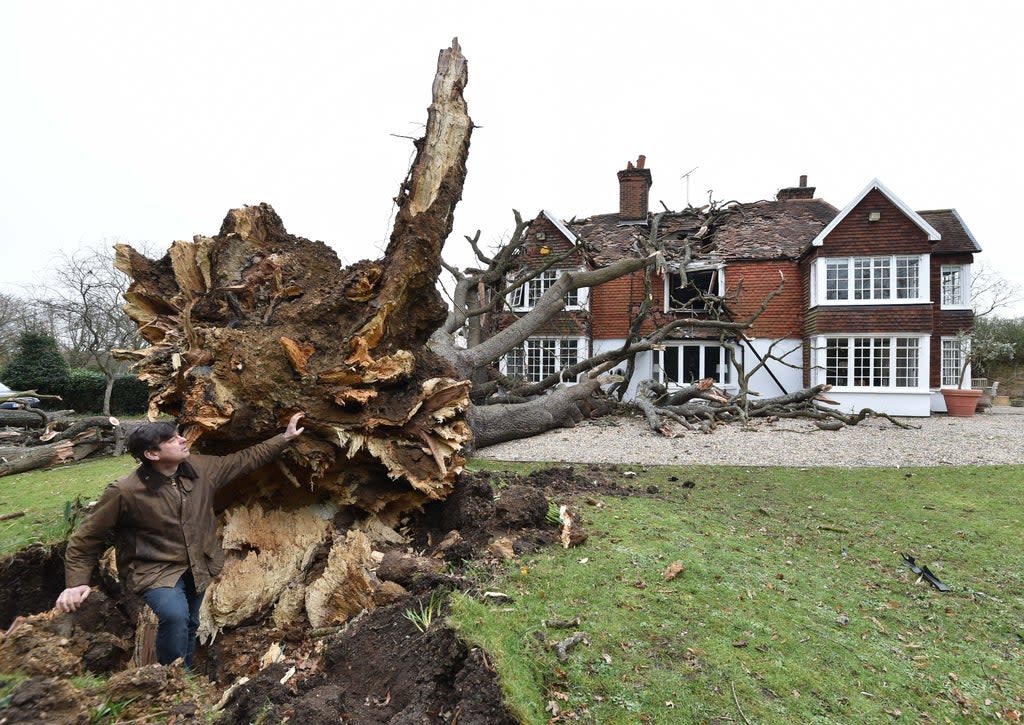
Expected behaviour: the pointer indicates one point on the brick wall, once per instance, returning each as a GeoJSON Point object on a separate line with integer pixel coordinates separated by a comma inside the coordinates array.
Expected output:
{"type": "Point", "coordinates": [614, 304]}
{"type": "Point", "coordinates": [753, 282]}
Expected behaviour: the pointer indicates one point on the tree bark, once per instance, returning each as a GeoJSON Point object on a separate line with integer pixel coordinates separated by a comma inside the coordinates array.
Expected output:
{"type": "Point", "coordinates": [253, 324]}
{"type": "Point", "coordinates": [22, 418]}
{"type": "Point", "coordinates": [28, 459]}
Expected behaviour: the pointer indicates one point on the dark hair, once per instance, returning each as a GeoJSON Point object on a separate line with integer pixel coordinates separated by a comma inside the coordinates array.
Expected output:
{"type": "Point", "coordinates": [148, 437]}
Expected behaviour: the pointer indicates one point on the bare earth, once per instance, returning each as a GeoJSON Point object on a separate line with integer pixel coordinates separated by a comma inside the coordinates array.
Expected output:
{"type": "Point", "coordinates": [992, 438]}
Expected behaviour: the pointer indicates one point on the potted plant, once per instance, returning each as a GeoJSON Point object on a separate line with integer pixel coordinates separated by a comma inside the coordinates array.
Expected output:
{"type": "Point", "coordinates": [980, 349]}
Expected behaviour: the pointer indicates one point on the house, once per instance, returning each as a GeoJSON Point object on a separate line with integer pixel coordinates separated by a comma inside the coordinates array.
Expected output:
{"type": "Point", "coordinates": [867, 298]}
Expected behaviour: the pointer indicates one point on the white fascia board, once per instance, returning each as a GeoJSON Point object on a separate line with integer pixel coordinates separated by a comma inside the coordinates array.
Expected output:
{"type": "Point", "coordinates": [924, 226]}
{"type": "Point", "coordinates": [550, 216]}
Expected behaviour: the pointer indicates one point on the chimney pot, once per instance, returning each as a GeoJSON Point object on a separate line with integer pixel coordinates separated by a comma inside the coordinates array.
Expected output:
{"type": "Point", "coordinates": [796, 192]}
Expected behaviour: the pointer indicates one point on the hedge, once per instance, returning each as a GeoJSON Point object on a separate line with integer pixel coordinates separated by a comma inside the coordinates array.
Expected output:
{"type": "Point", "coordinates": [84, 393]}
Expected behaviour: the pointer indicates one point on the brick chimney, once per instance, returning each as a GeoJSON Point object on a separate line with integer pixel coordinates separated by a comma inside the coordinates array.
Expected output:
{"type": "Point", "coordinates": [634, 183]}
{"type": "Point", "coordinates": [796, 192]}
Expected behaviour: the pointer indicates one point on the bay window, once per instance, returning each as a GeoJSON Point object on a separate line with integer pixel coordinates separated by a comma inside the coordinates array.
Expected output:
{"type": "Point", "coordinates": [870, 280]}
{"type": "Point", "coordinates": [872, 361]}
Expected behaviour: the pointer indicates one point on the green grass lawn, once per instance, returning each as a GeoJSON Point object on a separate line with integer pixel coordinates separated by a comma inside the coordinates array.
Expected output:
{"type": "Point", "coordinates": [792, 606]}
{"type": "Point", "coordinates": [44, 495]}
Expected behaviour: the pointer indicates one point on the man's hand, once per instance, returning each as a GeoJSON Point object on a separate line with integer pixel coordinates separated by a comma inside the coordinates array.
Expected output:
{"type": "Point", "coordinates": [293, 431]}
{"type": "Point", "coordinates": [71, 598]}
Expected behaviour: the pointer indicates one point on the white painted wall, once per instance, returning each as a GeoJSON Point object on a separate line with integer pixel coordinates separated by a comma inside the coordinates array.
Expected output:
{"type": "Point", "coordinates": [916, 404]}
{"type": "Point", "coordinates": [790, 350]}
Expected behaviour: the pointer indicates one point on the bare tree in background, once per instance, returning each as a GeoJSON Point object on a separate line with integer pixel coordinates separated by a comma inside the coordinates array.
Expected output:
{"type": "Point", "coordinates": [992, 292]}
{"type": "Point", "coordinates": [86, 299]}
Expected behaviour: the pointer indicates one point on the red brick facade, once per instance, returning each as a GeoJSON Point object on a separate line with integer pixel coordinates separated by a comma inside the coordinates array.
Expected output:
{"type": "Point", "coordinates": [752, 282]}
{"type": "Point", "coordinates": [768, 242]}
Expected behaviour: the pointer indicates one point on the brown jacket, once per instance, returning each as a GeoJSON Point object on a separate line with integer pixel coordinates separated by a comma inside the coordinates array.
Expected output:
{"type": "Point", "coordinates": [162, 526]}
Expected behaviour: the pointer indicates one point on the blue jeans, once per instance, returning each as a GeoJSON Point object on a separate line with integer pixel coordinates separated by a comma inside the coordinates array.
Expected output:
{"type": "Point", "coordinates": [177, 608]}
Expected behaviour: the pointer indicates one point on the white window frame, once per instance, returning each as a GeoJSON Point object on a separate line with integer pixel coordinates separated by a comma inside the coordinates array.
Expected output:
{"type": "Point", "coordinates": [525, 297]}
{"type": "Point", "coordinates": [951, 358]}
{"type": "Point", "coordinates": [879, 346]}
{"type": "Point", "coordinates": [881, 275]}
{"type": "Point", "coordinates": [722, 377]}
{"type": "Point", "coordinates": [538, 357]}
{"type": "Point", "coordinates": [719, 287]}
{"type": "Point", "coordinates": [963, 302]}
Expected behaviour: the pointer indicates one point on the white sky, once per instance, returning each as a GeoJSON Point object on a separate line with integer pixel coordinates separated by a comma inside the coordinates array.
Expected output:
{"type": "Point", "coordinates": [145, 122]}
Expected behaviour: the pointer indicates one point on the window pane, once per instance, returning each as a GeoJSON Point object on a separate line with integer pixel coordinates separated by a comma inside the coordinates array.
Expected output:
{"type": "Point", "coordinates": [880, 283]}
{"type": "Point", "coordinates": [712, 361]}
{"type": "Point", "coordinates": [691, 294]}
{"type": "Point", "coordinates": [514, 362]}
{"type": "Point", "coordinates": [952, 286]}
{"type": "Point", "coordinates": [951, 361]}
{"type": "Point", "coordinates": [862, 279]}
{"type": "Point", "coordinates": [568, 354]}
{"type": "Point", "coordinates": [837, 361]}
{"type": "Point", "coordinates": [837, 279]}
{"type": "Point", "coordinates": [907, 278]}
{"type": "Point", "coordinates": [672, 364]}
{"type": "Point", "coordinates": [881, 352]}
{"type": "Point", "coordinates": [906, 362]}
{"type": "Point", "coordinates": [691, 363]}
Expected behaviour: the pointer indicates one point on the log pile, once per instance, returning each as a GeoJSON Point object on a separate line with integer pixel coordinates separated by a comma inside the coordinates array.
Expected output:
{"type": "Point", "coordinates": [32, 438]}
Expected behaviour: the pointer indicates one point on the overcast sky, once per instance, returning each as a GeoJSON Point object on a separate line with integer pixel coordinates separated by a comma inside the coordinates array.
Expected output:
{"type": "Point", "coordinates": [146, 122]}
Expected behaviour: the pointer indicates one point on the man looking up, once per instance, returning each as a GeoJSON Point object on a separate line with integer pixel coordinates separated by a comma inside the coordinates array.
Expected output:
{"type": "Point", "coordinates": [165, 531]}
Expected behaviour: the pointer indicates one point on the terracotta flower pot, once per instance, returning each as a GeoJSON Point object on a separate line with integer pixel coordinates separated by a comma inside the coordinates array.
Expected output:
{"type": "Point", "coordinates": [961, 401]}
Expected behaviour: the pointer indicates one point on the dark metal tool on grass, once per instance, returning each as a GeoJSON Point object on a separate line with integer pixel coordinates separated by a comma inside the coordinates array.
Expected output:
{"type": "Point", "coordinates": [925, 573]}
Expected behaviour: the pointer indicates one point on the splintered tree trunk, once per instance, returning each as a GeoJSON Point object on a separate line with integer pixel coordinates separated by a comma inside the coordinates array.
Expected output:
{"type": "Point", "coordinates": [254, 324]}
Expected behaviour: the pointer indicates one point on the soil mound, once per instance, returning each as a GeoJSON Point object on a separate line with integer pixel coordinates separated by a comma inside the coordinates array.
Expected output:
{"type": "Point", "coordinates": [381, 667]}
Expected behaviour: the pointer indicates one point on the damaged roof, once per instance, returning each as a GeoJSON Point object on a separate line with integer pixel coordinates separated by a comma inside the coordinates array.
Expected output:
{"type": "Point", "coordinates": [756, 230]}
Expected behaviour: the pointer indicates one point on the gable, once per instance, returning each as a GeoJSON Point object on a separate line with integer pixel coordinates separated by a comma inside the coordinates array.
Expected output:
{"type": "Point", "coordinates": [876, 194]}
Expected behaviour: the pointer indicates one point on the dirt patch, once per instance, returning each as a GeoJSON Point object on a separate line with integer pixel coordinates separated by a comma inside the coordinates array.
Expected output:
{"type": "Point", "coordinates": [379, 668]}
{"type": "Point", "coordinates": [30, 581]}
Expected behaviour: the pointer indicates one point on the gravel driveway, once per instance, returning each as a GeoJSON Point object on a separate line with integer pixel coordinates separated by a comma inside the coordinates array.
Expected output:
{"type": "Point", "coordinates": [994, 437]}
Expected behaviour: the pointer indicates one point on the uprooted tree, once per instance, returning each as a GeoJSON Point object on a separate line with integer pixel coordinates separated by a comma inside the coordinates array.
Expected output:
{"type": "Point", "coordinates": [253, 324]}
{"type": "Point", "coordinates": [480, 329]}
{"type": "Point", "coordinates": [248, 326]}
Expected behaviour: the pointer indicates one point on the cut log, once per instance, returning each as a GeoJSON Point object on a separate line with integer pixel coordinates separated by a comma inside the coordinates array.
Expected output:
{"type": "Point", "coordinates": [25, 418]}
{"type": "Point", "coordinates": [252, 324]}
{"type": "Point", "coordinates": [28, 459]}
{"type": "Point", "coordinates": [98, 421]}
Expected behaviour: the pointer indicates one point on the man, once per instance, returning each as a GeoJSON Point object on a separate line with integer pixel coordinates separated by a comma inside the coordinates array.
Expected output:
{"type": "Point", "coordinates": [165, 531]}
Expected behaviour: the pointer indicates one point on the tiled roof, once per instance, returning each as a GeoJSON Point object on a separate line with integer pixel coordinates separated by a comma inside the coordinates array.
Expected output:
{"type": "Point", "coordinates": [772, 229]}
{"type": "Point", "coordinates": [757, 230]}
{"type": "Point", "coordinates": [956, 237]}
